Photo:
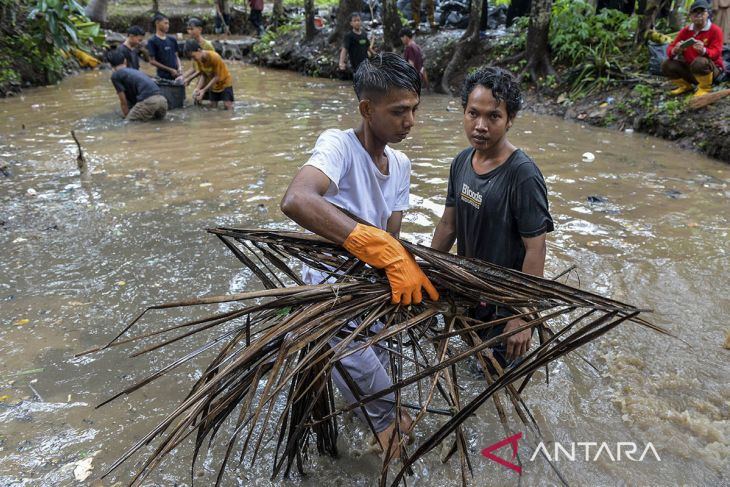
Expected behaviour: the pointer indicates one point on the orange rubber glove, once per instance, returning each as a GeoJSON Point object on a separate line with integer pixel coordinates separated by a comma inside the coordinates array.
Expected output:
{"type": "Point", "coordinates": [379, 249]}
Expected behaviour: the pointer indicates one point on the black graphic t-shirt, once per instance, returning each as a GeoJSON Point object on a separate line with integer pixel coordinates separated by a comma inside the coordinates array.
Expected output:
{"type": "Point", "coordinates": [356, 46]}
{"type": "Point", "coordinates": [495, 210]}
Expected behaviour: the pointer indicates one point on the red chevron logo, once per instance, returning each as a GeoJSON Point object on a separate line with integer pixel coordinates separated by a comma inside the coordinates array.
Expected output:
{"type": "Point", "coordinates": [512, 440]}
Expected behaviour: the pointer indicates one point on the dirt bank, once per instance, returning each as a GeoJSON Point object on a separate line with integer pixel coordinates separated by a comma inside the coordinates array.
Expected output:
{"type": "Point", "coordinates": [640, 105]}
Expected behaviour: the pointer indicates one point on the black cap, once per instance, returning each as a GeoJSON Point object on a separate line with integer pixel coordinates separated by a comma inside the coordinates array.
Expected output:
{"type": "Point", "coordinates": [699, 4]}
{"type": "Point", "coordinates": [195, 22]}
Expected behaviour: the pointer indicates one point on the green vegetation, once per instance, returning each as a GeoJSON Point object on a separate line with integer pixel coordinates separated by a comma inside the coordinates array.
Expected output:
{"type": "Point", "coordinates": [598, 45]}
{"type": "Point", "coordinates": [271, 37]}
{"type": "Point", "coordinates": [37, 36]}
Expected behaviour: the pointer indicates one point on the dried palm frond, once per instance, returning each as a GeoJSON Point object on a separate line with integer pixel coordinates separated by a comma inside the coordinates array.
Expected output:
{"type": "Point", "coordinates": [279, 347]}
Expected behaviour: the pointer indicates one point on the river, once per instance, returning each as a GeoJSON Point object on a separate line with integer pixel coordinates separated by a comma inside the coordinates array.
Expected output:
{"type": "Point", "coordinates": [644, 222]}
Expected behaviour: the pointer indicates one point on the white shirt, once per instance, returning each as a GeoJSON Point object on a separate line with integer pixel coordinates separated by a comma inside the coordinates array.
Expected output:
{"type": "Point", "coordinates": [356, 184]}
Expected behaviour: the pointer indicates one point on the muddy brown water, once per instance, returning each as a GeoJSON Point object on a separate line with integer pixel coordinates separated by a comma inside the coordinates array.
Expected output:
{"type": "Point", "coordinates": [645, 222]}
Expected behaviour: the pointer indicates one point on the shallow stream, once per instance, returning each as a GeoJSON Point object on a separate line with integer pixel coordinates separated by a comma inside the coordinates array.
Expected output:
{"type": "Point", "coordinates": [645, 223]}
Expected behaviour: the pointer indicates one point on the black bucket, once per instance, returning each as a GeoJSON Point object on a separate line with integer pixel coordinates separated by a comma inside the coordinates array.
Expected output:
{"type": "Point", "coordinates": [173, 92]}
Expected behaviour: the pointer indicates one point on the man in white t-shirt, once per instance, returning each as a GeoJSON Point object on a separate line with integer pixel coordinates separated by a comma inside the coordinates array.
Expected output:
{"type": "Point", "coordinates": [354, 170]}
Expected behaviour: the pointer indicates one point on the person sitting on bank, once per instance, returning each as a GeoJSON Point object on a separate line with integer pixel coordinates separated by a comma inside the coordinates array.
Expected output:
{"type": "Point", "coordinates": [413, 54]}
{"type": "Point", "coordinates": [195, 31]}
{"type": "Point", "coordinates": [139, 95]}
{"type": "Point", "coordinates": [355, 45]}
{"type": "Point", "coordinates": [130, 46]}
{"type": "Point", "coordinates": [695, 56]}
{"type": "Point", "coordinates": [215, 80]}
{"type": "Point", "coordinates": [163, 50]}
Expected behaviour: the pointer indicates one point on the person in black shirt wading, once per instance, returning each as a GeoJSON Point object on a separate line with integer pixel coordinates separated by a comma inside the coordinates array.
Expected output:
{"type": "Point", "coordinates": [496, 205]}
{"type": "Point", "coordinates": [139, 96]}
{"type": "Point", "coordinates": [135, 35]}
{"type": "Point", "coordinates": [163, 50]}
{"type": "Point", "coordinates": [355, 45]}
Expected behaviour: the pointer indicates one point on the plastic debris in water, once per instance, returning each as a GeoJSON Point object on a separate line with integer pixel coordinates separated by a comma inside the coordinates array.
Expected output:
{"type": "Point", "coordinates": [588, 157]}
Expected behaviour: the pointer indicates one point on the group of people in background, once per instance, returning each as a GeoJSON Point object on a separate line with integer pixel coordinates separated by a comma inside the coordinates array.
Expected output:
{"type": "Point", "coordinates": [139, 94]}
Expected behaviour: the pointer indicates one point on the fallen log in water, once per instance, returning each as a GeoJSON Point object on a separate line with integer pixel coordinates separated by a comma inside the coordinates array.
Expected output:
{"type": "Point", "coordinates": [282, 338]}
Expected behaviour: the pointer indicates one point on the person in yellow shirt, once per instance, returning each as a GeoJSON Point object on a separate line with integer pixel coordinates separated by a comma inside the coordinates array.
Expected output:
{"type": "Point", "coordinates": [215, 83]}
{"type": "Point", "coordinates": [195, 31]}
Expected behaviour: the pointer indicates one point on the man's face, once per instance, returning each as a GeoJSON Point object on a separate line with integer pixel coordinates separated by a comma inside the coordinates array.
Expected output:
{"type": "Point", "coordinates": [197, 55]}
{"type": "Point", "coordinates": [194, 31]}
{"type": "Point", "coordinates": [392, 116]}
{"type": "Point", "coordinates": [355, 23]}
{"type": "Point", "coordinates": [163, 25]}
{"type": "Point", "coordinates": [485, 120]}
{"type": "Point", "coordinates": [699, 17]}
{"type": "Point", "coordinates": [134, 41]}
{"type": "Point", "coordinates": [404, 40]}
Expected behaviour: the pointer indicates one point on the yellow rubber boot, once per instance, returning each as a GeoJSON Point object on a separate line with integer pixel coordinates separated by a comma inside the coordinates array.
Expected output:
{"type": "Point", "coordinates": [682, 87]}
{"type": "Point", "coordinates": [704, 82]}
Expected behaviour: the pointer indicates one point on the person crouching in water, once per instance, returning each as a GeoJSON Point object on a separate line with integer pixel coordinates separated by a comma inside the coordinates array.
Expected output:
{"type": "Point", "coordinates": [215, 83]}
{"type": "Point", "coordinates": [139, 95]}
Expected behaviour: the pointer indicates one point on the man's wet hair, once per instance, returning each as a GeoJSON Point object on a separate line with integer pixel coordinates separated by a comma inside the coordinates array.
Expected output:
{"type": "Point", "coordinates": [353, 15]}
{"type": "Point", "coordinates": [191, 45]}
{"type": "Point", "coordinates": [374, 78]}
{"type": "Point", "coordinates": [405, 31]}
{"type": "Point", "coordinates": [195, 22]}
{"type": "Point", "coordinates": [158, 16]}
{"type": "Point", "coordinates": [503, 84]}
{"type": "Point", "coordinates": [135, 30]}
{"type": "Point", "coordinates": [116, 57]}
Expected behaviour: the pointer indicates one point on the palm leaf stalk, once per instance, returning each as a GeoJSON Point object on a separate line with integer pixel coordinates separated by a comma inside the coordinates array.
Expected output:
{"type": "Point", "coordinates": [270, 380]}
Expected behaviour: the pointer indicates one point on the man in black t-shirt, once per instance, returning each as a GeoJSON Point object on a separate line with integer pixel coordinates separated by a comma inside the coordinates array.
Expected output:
{"type": "Point", "coordinates": [496, 206]}
{"type": "Point", "coordinates": [135, 34]}
{"type": "Point", "coordinates": [355, 45]}
{"type": "Point", "coordinates": [139, 95]}
{"type": "Point", "coordinates": [163, 50]}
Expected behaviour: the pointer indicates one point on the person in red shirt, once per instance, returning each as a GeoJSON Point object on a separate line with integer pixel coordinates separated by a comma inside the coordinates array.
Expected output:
{"type": "Point", "coordinates": [413, 54]}
{"type": "Point", "coordinates": [699, 61]}
{"type": "Point", "coordinates": [257, 6]}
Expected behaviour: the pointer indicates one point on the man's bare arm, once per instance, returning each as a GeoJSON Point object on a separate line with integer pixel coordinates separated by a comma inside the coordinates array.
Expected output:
{"type": "Point", "coordinates": [535, 251]}
{"type": "Point", "coordinates": [303, 202]}
{"type": "Point", "coordinates": [123, 103]}
{"type": "Point", "coordinates": [394, 223]}
{"type": "Point", "coordinates": [534, 264]}
{"type": "Point", "coordinates": [445, 234]}
{"type": "Point", "coordinates": [158, 64]}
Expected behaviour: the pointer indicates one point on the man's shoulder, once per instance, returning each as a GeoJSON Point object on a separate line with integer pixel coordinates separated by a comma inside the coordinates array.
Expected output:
{"type": "Point", "coordinates": [523, 166]}
{"type": "Point", "coordinates": [334, 138]}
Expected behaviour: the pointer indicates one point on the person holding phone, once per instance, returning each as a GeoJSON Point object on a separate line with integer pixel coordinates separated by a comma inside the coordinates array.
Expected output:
{"type": "Point", "coordinates": [695, 55]}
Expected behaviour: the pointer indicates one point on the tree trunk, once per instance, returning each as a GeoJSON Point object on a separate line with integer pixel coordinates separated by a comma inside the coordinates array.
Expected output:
{"type": "Point", "coordinates": [278, 12]}
{"type": "Point", "coordinates": [391, 25]}
{"type": "Point", "coordinates": [538, 30]}
{"type": "Point", "coordinates": [96, 10]}
{"type": "Point", "coordinates": [646, 21]}
{"type": "Point", "coordinates": [465, 46]}
{"type": "Point", "coordinates": [342, 22]}
{"type": "Point", "coordinates": [309, 30]}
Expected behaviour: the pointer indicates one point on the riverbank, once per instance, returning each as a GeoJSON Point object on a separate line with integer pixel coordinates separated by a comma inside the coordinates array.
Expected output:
{"type": "Point", "coordinates": [637, 104]}
{"type": "Point", "coordinates": [640, 105]}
